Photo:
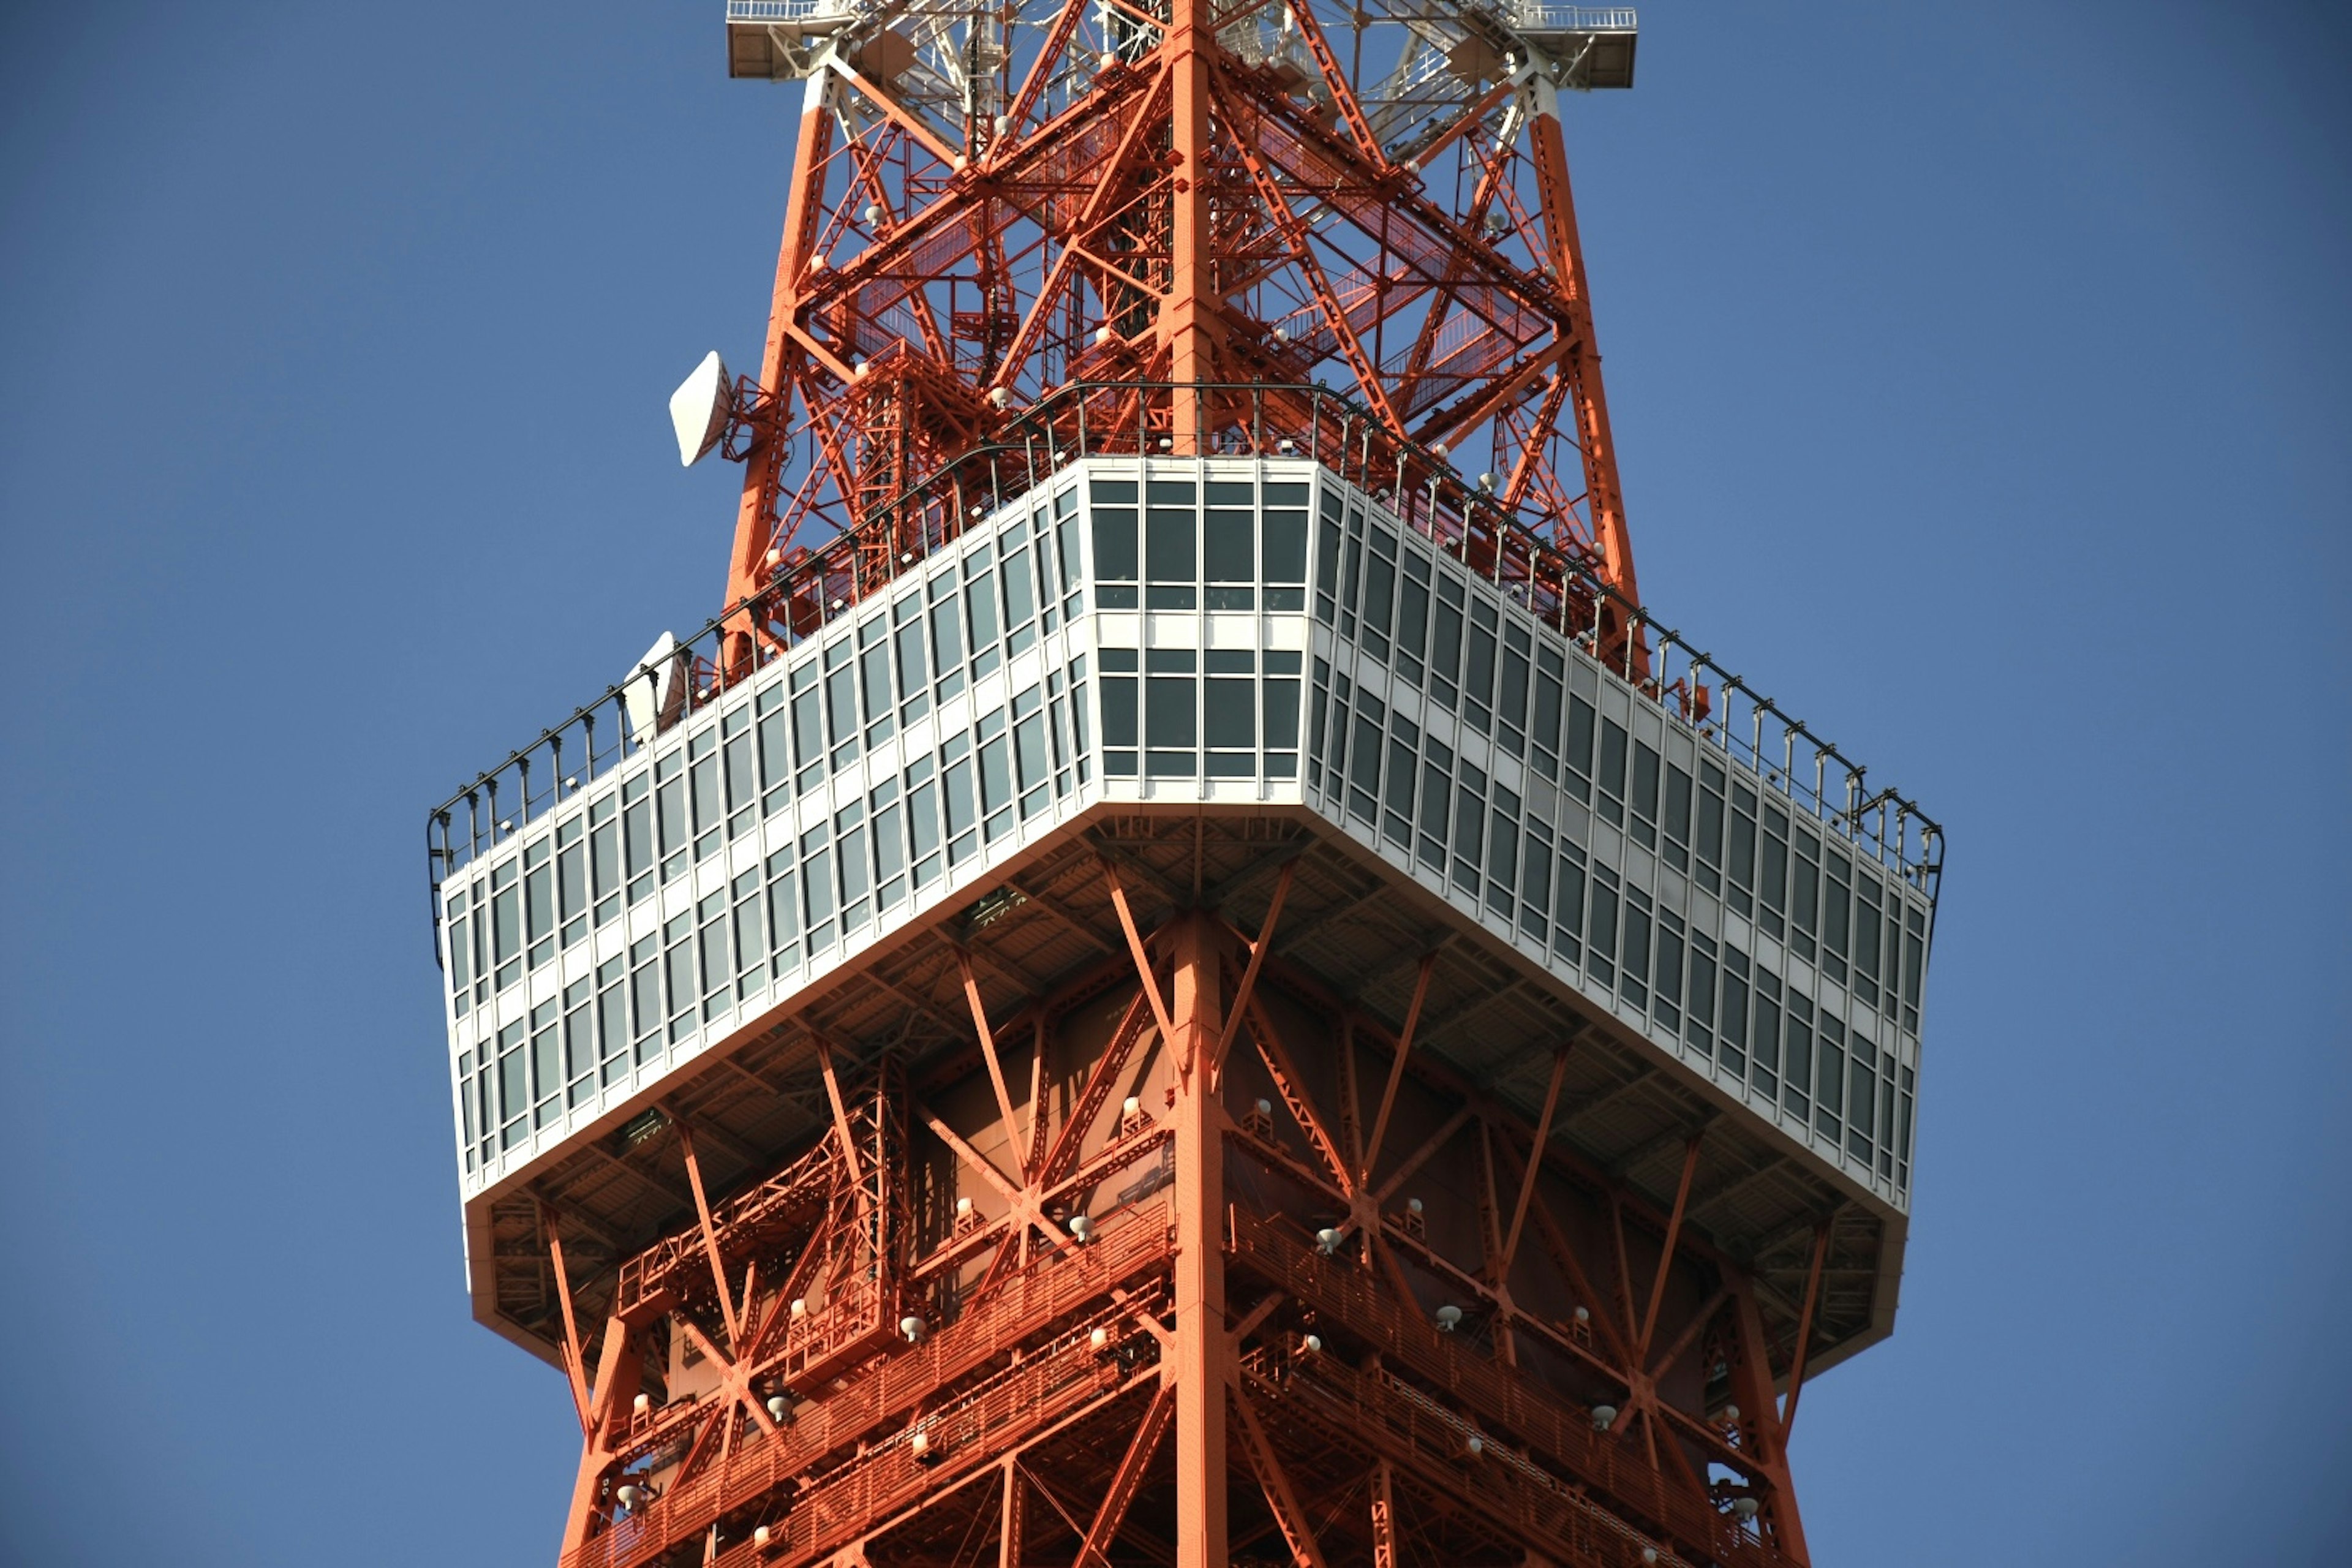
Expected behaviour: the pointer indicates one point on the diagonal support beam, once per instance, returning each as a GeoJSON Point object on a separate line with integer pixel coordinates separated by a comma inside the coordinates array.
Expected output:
{"type": "Point", "coordinates": [1805, 1327]}
{"type": "Point", "coordinates": [1564, 1254]}
{"type": "Point", "coordinates": [1291, 1085]}
{"type": "Point", "coordinates": [574, 1372]}
{"type": "Point", "coordinates": [1093, 1551]}
{"type": "Point", "coordinates": [981, 1166]}
{"type": "Point", "coordinates": [1667, 1254]}
{"type": "Point", "coordinates": [1150, 982]}
{"type": "Point", "coordinates": [1248, 988]}
{"type": "Point", "coordinates": [709, 1236]}
{"type": "Point", "coordinates": [1271, 1480]}
{"type": "Point", "coordinates": [971, 996]}
{"type": "Point", "coordinates": [1534, 1165]}
{"type": "Point", "coordinates": [840, 1112]}
{"type": "Point", "coordinates": [1396, 1070]}
{"type": "Point", "coordinates": [1421, 1156]}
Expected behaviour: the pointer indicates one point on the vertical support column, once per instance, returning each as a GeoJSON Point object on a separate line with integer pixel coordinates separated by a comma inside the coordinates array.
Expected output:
{"type": "Point", "coordinates": [1384, 1543]}
{"type": "Point", "coordinates": [761, 470]}
{"type": "Point", "coordinates": [1185, 322]}
{"type": "Point", "coordinates": [1752, 1384]}
{"type": "Point", "coordinates": [1201, 1344]}
{"type": "Point", "coordinates": [618, 1372]}
{"type": "Point", "coordinates": [1584, 363]}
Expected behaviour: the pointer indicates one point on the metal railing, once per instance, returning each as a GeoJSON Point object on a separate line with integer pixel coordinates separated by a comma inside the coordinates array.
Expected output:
{"type": "Point", "coordinates": [1574, 18]}
{"type": "Point", "coordinates": [1551, 577]}
{"type": "Point", "coordinates": [759, 11]}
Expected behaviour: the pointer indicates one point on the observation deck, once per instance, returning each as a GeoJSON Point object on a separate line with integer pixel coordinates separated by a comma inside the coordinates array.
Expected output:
{"type": "Point", "coordinates": [1190, 666]}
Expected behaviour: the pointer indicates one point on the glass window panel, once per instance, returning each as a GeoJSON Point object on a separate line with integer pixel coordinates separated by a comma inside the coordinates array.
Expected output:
{"type": "Point", "coordinates": [1281, 702]}
{"type": "Point", "coordinates": [913, 670]}
{"type": "Point", "coordinates": [1600, 943]}
{"type": "Point", "coordinates": [1118, 716]}
{"type": "Point", "coordinates": [1568, 896]}
{"type": "Point", "coordinates": [1225, 553]}
{"type": "Point", "coordinates": [1613, 747]}
{"type": "Point", "coordinates": [669, 799]}
{"type": "Point", "coordinates": [1170, 538]}
{"type": "Point", "coordinates": [1644, 795]}
{"type": "Point", "coordinates": [1478, 680]}
{"type": "Point", "coordinates": [1577, 751]}
{"type": "Point", "coordinates": [705, 788]}
{"type": "Point", "coordinates": [1229, 715]}
{"type": "Point", "coordinates": [1116, 557]}
{"type": "Point", "coordinates": [874, 670]}
{"type": "Point", "coordinates": [1796, 1054]}
{"type": "Point", "coordinates": [1282, 544]}
{"type": "Point", "coordinates": [979, 615]}
{"type": "Point", "coordinates": [947, 644]}
{"type": "Point", "coordinates": [1020, 598]}
{"type": "Point", "coordinates": [956, 780]}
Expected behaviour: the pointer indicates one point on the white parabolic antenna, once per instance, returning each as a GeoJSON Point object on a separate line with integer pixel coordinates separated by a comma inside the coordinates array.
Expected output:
{"type": "Point", "coordinates": [654, 694]}
{"type": "Point", "coordinates": [698, 409]}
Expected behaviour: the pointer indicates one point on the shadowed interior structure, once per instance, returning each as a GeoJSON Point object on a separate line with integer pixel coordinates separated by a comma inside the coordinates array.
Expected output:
{"type": "Point", "coordinates": [1002, 1074]}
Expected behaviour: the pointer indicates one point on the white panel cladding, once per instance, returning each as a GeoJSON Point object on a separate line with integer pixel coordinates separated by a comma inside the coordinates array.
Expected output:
{"type": "Point", "coordinates": [1163, 631]}
{"type": "Point", "coordinates": [1621, 847]}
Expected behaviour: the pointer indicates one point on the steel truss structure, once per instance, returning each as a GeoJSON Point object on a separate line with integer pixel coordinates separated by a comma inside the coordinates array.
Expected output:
{"type": "Point", "coordinates": [1188, 1257]}
{"type": "Point", "coordinates": [993, 205]}
{"type": "Point", "coordinates": [1202, 1194]}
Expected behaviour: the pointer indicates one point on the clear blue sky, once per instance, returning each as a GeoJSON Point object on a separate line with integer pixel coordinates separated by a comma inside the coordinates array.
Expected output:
{"type": "Point", "coordinates": [1982, 382]}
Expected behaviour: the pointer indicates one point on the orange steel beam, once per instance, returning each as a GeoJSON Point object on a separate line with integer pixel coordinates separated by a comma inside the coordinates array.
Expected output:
{"type": "Point", "coordinates": [1187, 325]}
{"type": "Point", "coordinates": [1805, 1325]}
{"type": "Point", "coordinates": [1291, 1083]}
{"type": "Point", "coordinates": [1384, 1541]}
{"type": "Point", "coordinates": [840, 1111]}
{"type": "Point", "coordinates": [1396, 1070]}
{"type": "Point", "coordinates": [1288, 1515]}
{"type": "Point", "coordinates": [575, 1374]}
{"type": "Point", "coordinates": [1248, 986]}
{"type": "Point", "coordinates": [1013, 1513]}
{"type": "Point", "coordinates": [710, 1237]}
{"type": "Point", "coordinates": [1203, 1357]}
{"type": "Point", "coordinates": [1094, 1551]}
{"type": "Point", "coordinates": [1598, 446]}
{"type": "Point", "coordinates": [1150, 982]}
{"type": "Point", "coordinates": [1535, 1164]}
{"type": "Point", "coordinates": [987, 1051]}
{"type": "Point", "coordinates": [1666, 1252]}
{"type": "Point", "coordinates": [1760, 1424]}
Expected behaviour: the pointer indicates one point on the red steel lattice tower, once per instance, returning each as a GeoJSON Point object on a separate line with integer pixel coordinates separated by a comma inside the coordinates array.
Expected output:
{"type": "Point", "coordinates": [1183, 974]}
{"type": "Point", "coordinates": [1032, 218]}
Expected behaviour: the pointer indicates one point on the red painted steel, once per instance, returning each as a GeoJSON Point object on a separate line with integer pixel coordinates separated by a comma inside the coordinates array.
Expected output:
{"type": "Point", "coordinates": [1189, 215]}
{"type": "Point", "coordinates": [1210, 1335]}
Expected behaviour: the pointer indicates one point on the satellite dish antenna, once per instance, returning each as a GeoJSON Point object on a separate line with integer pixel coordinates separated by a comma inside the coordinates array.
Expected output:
{"type": "Point", "coordinates": [654, 693]}
{"type": "Point", "coordinates": [700, 408]}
